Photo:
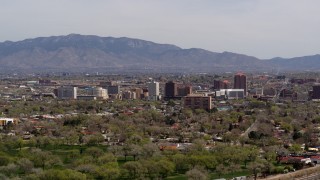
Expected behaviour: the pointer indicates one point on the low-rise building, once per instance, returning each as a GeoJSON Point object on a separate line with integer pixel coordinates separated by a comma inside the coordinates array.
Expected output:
{"type": "Point", "coordinates": [7, 121]}
{"type": "Point", "coordinates": [99, 92]}
{"type": "Point", "coordinates": [230, 94]}
{"type": "Point", "coordinates": [87, 98]}
{"type": "Point", "coordinates": [197, 102]}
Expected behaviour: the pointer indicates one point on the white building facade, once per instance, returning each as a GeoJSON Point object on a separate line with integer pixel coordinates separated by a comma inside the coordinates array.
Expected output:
{"type": "Point", "coordinates": [67, 92]}
{"type": "Point", "coordinates": [154, 92]}
{"type": "Point", "coordinates": [231, 93]}
{"type": "Point", "coordinates": [99, 92]}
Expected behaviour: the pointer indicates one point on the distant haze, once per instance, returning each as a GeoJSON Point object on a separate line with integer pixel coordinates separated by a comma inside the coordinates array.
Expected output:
{"type": "Point", "coordinates": [262, 28]}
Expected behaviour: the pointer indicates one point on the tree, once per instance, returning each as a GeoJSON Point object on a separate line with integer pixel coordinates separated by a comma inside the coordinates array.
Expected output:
{"type": "Point", "coordinates": [25, 165]}
{"type": "Point", "coordinates": [234, 168]}
{"type": "Point", "coordinates": [151, 168]}
{"type": "Point", "coordinates": [296, 135]}
{"type": "Point", "coordinates": [221, 169]}
{"type": "Point", "coordinates": [295, 148]}
{"type": "Point", "coordinates": [9, 169]}
{"type": "Point", "coordinates": [243, 140]}
{"type": "Point", "coordinates": [2, 176]}
{"type": "Point", "coordinates": [44, 159]}
{"type": "Point", "coordinates": [126, 151]}
{"type": "Point", "coordinates": [19, 142]}
{"type": "Point", "coordinates": [135, 151]}
{"type": "Point", "coordinates": [187, 113]}
{"type": "Point", "coordinates": [134, 169]}
{"type": "Point", "coordinates": [268, 167]}
{"type": "Point", "coordinates": [95, 152]}
{"type": "Point", "coordinates": [115, 150]}
{"type": "Point", "coordinates": [107, 158]}
{"type": "Point", "coordinates": [254, 135]}
{"type": "Point", "coordinates": [4, 160]}
{"type": "Point", "coordinates": [165, 167]}
{"type": "Point", "coordinates": [93, 139]}
{"type": "Point", "coordinates": [181, 162]}
{"type": "Point", "coordinates": [135, 139]}
{"type": "Point", "coordinates": [256, 167]}
{"type": "Point", "coordinates": [84, 159]}
{"type": "Point", "coordinates": [171, 103]}
{"type": "Point", "coordinates": [108, 172]}
{"type": "Point", "coordinates": [149, 150]}
{"type": "Point", "coordinates": [265, 129]}
{"type": "Point", "coordinates": [197, 147]}
{"type": "Point", "coordinates": [316, 120]}
{"type": "Point", "coordinates": [62, 175]}
{"type": "Point", "coordinates": [87, 168]}
{"type": "Point", "coordinates": [197, 173]}
{"type": "Point", "coordinates": [286, 126]}
{"type": "Point", "coordinates": [71, 137]}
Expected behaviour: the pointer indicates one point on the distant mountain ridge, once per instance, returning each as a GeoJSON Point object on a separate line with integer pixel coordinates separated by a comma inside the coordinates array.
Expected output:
{"type": "Point", "coordinates": [76, 52]}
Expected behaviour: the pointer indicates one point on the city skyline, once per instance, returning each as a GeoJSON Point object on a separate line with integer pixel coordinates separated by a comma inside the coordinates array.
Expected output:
{"type": "Point", "coordinates": [260, 28]}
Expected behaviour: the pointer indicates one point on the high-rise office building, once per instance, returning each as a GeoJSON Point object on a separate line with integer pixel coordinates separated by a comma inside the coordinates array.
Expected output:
{"type": "Point", "coordinates": [240, 82]}
{"type": "Point", "coordinates": [153, 89]}
{"type": "Point", "coordinates": [114, 89]}
{"type": "Point", "coordinates": [171, 90]}
{"type": "Point", "coordinates": [316, 92]}
{"type": "Point", "coordinates": [66, 92]}
{"type": "Point", "coordinates": [219, 84]}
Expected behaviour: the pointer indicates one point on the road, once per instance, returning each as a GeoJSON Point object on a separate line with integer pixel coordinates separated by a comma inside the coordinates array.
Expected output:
{"type": "Point", "coordinates": [253, 127]}
{"type": "Point", "coordinates": [312, 173]}
{"type": "Point", "coordinates": [314, 176]}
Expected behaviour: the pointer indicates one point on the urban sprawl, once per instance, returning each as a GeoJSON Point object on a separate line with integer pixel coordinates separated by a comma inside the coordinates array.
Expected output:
{"type": "Point", "coordinates": [159, 126]}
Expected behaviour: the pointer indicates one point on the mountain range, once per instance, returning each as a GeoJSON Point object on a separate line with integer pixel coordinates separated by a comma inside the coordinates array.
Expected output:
{"type": "Point", "coordinates": [78, 53]}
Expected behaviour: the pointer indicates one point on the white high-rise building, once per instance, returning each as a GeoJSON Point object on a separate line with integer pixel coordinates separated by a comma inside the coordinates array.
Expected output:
{"type": "Point", "coordinates": [99, 92]}
{"type": "Point", "coordinates": [153, 88]}
{"type": "Point", "coordinates": [67, 92]}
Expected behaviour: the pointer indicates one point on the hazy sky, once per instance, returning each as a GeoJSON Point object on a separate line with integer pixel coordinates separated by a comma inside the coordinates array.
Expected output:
{"type": "Point", "coordinates": [261, 28]}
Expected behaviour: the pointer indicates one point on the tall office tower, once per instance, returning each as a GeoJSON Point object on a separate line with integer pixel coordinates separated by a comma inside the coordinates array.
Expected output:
{"type": "Point", "coordinates": [240, 82]}
{"type": "Point", "coordinates": [225, 84]}
{"type": "Point", "coordinates": [316, 92]}
{"type": "Point", "coordinates": [217, 84]}
{"type": "Point", "coordinates": [171, 90]}
{"type": "Point", "coordinates": [114, 89]}
{"type": "Point", "coordinates": [111, 86]}
{"type": "Point", "coordinates": [153, 88]}
{"type": "Point", "coordinates": [66, 92]}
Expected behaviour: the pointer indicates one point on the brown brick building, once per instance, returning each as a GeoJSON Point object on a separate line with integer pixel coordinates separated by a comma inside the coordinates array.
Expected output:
{"type": "Point", "coordinates": [197, 102]}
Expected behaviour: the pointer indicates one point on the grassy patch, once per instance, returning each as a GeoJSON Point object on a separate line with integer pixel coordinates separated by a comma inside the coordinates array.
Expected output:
{"type": "Point", "coordinates": [177, 177]}
{"type": "Point", "coordinates": [212, 175]}
{"type": "Point", "coordinates": [230, 175]}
